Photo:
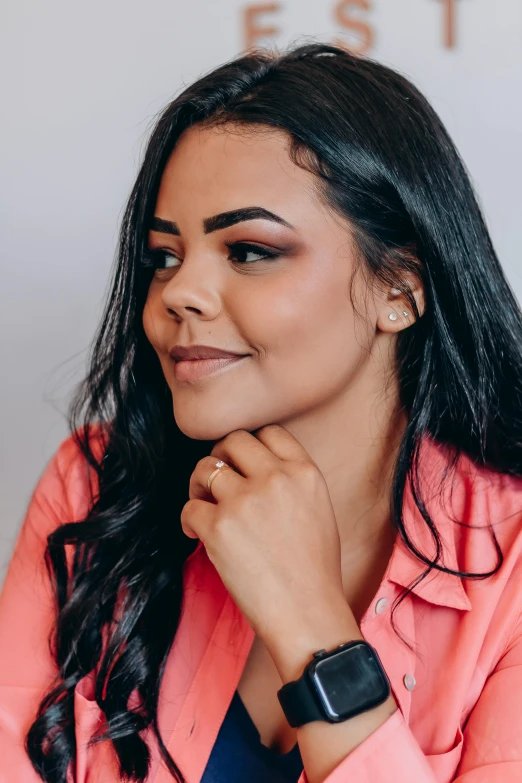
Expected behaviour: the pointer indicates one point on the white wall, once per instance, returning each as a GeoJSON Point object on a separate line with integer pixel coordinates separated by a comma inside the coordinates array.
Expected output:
{"type": "Point", "coordinates": [81, 83]}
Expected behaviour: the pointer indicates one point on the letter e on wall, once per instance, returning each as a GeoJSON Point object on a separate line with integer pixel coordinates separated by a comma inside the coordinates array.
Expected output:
{"type": "Point", "coordinates": [253, 28]}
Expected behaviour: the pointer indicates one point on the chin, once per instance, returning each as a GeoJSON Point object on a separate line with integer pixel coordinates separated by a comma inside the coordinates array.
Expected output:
{"type": "Point", "coordinates": [215, 427]}
{"type": "Point", "coordinates": [199, 426]}
{"type": "Point", "coordinates": [200, 431]}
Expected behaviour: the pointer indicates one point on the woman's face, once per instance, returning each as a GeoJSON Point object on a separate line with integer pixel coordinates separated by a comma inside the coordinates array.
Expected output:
{"type": "Point", "coordinates": [289, 313]}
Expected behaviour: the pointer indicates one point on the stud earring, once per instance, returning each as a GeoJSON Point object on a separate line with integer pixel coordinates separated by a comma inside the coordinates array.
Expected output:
{"type": "Point", "coordinates": [395, 291]}
{"type": "Point", "coordinates": [392, 316]}
{"type": "Point", "coordinates": [405, 313]}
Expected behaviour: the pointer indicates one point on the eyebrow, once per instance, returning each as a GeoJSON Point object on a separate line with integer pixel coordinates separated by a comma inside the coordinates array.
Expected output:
{"type": "Point", "coordinates": [222, 220]}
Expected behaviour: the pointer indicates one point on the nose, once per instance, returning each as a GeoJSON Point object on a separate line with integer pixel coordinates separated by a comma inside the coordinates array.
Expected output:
{"type": "Point", "coordinates": [194, 289]}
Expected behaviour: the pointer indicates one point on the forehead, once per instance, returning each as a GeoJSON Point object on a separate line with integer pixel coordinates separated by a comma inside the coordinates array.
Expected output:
{"type": "Point", "coordinates": [232, 163]}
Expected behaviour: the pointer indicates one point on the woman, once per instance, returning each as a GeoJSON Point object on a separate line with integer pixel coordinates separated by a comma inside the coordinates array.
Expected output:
{"type": "Point", "coordinates": [328, 495]}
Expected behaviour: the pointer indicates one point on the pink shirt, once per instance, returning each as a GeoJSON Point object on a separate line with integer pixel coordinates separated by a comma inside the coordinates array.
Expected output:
{"type": "Point", "coordinates": [460, 698]}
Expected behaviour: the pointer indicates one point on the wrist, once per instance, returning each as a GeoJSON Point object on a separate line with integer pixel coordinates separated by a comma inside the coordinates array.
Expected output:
{"type": "Point", "coordinates": [338, 685]}
{"type": "Point", "coordinates": [323, 628]}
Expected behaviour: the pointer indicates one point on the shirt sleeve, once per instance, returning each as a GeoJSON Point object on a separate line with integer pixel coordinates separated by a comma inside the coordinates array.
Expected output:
{"type": "Point", "coordinates": [27, 615]}
{"type": "Point", "coordinates": [488, 749]}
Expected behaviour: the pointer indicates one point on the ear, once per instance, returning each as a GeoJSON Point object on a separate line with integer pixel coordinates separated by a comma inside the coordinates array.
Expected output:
{"type": "Point", "coordinates": [394, 312]}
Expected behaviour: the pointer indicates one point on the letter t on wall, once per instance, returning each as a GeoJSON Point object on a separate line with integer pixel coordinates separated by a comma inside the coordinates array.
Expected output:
{"type": "Point", "coordinates": [450, 7]}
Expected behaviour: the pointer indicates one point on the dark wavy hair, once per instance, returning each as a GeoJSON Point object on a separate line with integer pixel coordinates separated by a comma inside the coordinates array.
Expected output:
{"type": "Point", "coordinates": [384, 161]}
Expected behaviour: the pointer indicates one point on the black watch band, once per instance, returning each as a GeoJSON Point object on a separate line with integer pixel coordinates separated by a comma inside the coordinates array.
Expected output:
{"type": "Point", "coordinates": [299, 702]}
{"type": "Point", "coordinates": [336, 685]}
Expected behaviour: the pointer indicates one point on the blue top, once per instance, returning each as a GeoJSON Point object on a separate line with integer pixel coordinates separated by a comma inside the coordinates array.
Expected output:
{"type": "Point", "coordinates": [238, 754]}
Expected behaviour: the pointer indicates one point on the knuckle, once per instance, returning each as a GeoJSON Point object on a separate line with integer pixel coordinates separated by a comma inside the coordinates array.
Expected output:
{"type": "Point", "coordinates": [270, 428]}
{"type": "Point", "coordinates": [234, 435]}
{"type": "Point", "coordinates": [198, 470]}
{"type": "Point", "coordinates": [277, 479]}
{"type": "Point", "coordinates": [308, 470]}
{"type": "Point", "coordinates": [305, 471]}
{"type": "Point", "coordinates": [187, 510]}
{"type": "Point", "coordinates": [221, 529]}
{"type": "Point", "coordinates": [237, 436]}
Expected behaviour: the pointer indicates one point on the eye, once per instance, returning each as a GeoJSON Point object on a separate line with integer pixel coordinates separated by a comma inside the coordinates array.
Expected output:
{"type": "Point", "coordinates": [239, 251]}
{"type": "Point", "coordinates": [159, 259]}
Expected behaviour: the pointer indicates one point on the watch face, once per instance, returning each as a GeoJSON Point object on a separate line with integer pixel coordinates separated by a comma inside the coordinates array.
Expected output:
{"type": "Point", "coordinates": [350, 682]}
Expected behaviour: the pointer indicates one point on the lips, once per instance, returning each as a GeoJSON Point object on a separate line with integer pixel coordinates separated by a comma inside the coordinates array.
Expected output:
{"type": "Point", "coordinates": [194, 369]}
{"type": "Point", "coordinates": [182, 353]}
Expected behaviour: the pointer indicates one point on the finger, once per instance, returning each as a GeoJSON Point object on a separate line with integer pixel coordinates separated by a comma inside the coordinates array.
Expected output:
{"type": "Point", "coordinates": [196, 518]}
{"type": "Point", "coordinates": [221, 485]}
{"type": "Point", "coordinates": [282, 443]}
{"type": "Point", "coordinates": [245, 452]}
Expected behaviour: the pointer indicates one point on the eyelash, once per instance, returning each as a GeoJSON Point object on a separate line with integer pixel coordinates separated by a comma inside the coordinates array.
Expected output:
{"type": "Point", "coordinates": [153, 258]}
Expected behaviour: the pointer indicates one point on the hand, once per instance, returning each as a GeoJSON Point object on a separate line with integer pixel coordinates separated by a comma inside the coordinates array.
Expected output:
{"type": "Point", "coordinates": [269, 528]}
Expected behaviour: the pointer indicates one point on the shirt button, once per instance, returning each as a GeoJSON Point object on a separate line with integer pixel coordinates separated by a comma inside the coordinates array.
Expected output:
{"type": "Point", "coordinates": [409, 681]}
{"type": "Point", "coordinates": [381, 605]}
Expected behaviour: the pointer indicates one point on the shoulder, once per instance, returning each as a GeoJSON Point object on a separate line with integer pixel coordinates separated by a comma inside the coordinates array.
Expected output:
{"type": "Point", "coordinates": [489, 500]}
{"type": "Point", "coordinates": [487, 518]}
{"type": "Point", "coordinates": [63, 494]}
{"type": "Point", "coordinates": [474, 499]}
{"type": "Point", "coordinates": [68, 483]}
{"type": "Point", "coordinates": [478, 513]}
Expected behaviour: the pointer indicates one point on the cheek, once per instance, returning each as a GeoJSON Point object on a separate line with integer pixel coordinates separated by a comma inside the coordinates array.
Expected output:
{"type": "Point", "coordinates": [315, 321]}
{"type": "Point", "coordinates": [310, 337]}
{"type": "Point", "coordinates": [150, 318]}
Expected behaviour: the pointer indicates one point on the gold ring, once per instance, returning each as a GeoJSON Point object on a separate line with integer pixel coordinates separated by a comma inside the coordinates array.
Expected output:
{"type": "Point", "coordinates": [214, 473]}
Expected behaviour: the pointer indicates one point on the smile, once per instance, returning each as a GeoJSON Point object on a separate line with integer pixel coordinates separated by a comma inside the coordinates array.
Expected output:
{"type": "Point", "coordinates": [193, 369]}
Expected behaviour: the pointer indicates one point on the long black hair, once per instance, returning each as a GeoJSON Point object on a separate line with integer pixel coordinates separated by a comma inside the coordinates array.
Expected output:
{"type": "Point", "coordinates": [384, 160]}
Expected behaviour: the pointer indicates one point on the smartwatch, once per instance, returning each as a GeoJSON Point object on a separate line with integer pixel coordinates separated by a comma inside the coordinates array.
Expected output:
{"type": "Point", "coordinates": [336, 685]}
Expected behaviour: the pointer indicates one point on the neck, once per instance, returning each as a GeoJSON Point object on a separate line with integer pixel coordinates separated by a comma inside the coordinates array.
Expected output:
{"type": "Point", "coordinates": [354, 441]}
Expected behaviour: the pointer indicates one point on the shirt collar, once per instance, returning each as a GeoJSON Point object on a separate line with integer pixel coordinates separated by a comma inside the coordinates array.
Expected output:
{"type": "Point", "coordinates": [438, 587]}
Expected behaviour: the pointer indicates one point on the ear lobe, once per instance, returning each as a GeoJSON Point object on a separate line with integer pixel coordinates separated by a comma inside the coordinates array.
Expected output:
{"type": "Point", "coordinates": [394, 320]}
{"type": "Point", "coordinates": [395, 312]}
{"type": "Point", "coordinates": [397, 297]}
